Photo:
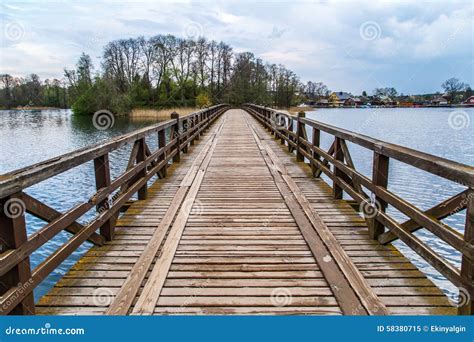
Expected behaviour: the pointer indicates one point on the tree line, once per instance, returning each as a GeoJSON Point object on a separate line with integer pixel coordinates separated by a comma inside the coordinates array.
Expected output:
{"type": "Point", "coordinates": [168, 71]}
{"type": "Point", "coordinates": [161, 71]}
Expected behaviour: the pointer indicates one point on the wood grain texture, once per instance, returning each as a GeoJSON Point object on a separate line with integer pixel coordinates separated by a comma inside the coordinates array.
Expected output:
{"type": "Point", "coordinates": [239, 249]}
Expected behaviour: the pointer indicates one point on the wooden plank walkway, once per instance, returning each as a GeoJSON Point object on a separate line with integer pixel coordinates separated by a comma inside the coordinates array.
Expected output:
{"type": "Point", "coordinates": [239, 227]}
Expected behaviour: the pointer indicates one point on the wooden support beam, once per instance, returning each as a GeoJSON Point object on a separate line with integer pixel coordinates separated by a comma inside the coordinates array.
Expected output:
{"type": "Point", "coordinates": [440, 211]}
{"type": "Point", "coordinates": [300, 130]}
{"type": "Point", "coordinates": [316, 141]}
{"type": "Point", "coordinates": [48, 214]}
{"type": "Point", "coordinates": [325, 162]}
{"type": "Point", "coordinates": [13, 235]}
{"type": "Point", "coordinates": [161, 144]}
{"type": "Point", "coordinates": [379, 178]}
{"type": "Point", "coordinates": [185, 134]}
{"type": "Point", "coordinates": [338, 155]}
{"type": "Point", "coordinates": [141, 156]}
{"type": "Point", "coordinates": [290, 138]}
{"type": "Point", "coordinates": [102, 180]}
{"type": "Point", "coordinates": [175, 133]}
{"type": "Point", "coordinates": [466, 296]}
{"type": "Point", "coordinates": [283, 123]}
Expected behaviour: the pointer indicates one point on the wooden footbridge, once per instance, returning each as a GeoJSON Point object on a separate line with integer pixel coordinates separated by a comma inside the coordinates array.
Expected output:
{"type": "Point", "coordinates": [238, 222]}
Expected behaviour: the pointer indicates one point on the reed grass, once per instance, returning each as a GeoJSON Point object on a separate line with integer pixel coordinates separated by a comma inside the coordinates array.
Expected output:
{"type": "Point", "coordinates": [160, 113]}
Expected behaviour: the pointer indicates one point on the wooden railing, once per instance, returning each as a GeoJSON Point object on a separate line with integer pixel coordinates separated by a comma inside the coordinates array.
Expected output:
{"type": "Point", "coordinates": [17, 279]}
{"type": "Point", "coordinates": [292, 130]}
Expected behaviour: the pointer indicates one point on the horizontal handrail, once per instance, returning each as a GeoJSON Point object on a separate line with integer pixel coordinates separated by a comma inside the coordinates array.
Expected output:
{"type": "Point", "coordinates": [22, 178]}
{"type": "Point", "coordinates": [17, 280]}
{"type": "Point", "coordinates": [449, 169]}
{"type": "Point", "coordinates": [291, 130]}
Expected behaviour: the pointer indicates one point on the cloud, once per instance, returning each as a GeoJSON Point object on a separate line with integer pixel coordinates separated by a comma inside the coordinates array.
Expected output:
{"type": "Point", "coordinates": [419, 44]}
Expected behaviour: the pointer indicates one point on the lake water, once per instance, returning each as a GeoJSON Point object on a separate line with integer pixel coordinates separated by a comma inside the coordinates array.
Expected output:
{"type": "Point", "coordinates": [27, 137]}
{"type": "Point", "coordinates": [30, 136]}
{"type": "Point", "coordinates": [444, 132]}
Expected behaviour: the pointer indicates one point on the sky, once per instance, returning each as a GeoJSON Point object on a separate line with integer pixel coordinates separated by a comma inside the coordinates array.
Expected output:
{"type": "Point", "coordinates": [349, 45]}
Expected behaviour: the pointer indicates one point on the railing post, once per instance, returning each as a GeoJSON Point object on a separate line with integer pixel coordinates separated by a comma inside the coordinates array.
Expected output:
{"type": "Point", "coordinates": [192, 125]}
{"type": "Point", "coordinates": [466, 296]}
{"type": "Point", "coordinates": [176, 134]}
{"type": "Point", "coordinates": [198, 124]}
{"type": "Point", "coordinates": [141, 156]}
{"type": "Point", "coordinates": [290, 129]}
{"type": "Point", "coordinates": [282, 139]}
{"type": "Point", "coordinates": [316, 141]}
{"type": "Point", "coordinates": [300, 127]}
{"type": "Point", "coordinates": [338, 155]}
{"type": "Point", "coordinates": [162, 143]}
{"type": "Point", "coordinates": [12, 235]}
{"type": "Point", "coordinates": [102, 180]}
{"type": "Point", "coordinates": [379, 178]}
{"type": "Point", "coordinates": [185, 134]}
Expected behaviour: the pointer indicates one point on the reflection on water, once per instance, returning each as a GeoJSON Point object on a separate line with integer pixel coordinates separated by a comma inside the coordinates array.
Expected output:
{"type": "Point", "coordinates": [28, 137]}
{"type": "Point", "coordinates": [431, 130]}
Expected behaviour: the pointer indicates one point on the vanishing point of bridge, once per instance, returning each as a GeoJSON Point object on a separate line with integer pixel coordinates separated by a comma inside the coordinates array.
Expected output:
{"type": "Point", "coordinates": [238, 222]}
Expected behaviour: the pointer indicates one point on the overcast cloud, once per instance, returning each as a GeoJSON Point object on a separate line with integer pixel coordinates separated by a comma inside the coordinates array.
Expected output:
{"type": "Point", "coordinates": [353, 46]}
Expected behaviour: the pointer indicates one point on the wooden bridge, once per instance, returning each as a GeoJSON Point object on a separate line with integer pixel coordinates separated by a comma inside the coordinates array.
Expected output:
{"type": "Point", "coordinates": [238, 222]}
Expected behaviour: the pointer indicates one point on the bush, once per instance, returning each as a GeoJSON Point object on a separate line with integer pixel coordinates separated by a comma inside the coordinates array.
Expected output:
{"type": "Point", "coordinates": [102, 96]}
{"type": "Point", "coordinates": [202, 100]}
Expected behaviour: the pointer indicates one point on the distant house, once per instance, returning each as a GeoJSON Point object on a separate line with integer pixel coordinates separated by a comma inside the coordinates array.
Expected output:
{"type": "Point", "coordinates": [469, 101]}
{"type": "Point", "coordinates": [364, 100]}
{"type": "Point", "coordinates": [322, 103]}
{"type": "Point", "coordinates": [439, 101]}
{"type": "Point", "coordinates": [383, 100]}
{"type": "Point", "coordinates": [352, 102]}
{"type": "Point", "coordinates": [337, 99]}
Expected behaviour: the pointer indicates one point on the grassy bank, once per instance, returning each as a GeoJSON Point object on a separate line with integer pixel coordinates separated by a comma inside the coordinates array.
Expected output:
{"type": "Point", "coordinates": [160, 113]}
{"type": "Point", "coordinates": [295, 110]}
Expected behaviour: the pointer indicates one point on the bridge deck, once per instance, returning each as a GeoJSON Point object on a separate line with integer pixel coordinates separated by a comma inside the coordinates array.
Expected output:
{"type": "Point", "coordinates": [239, 243]}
